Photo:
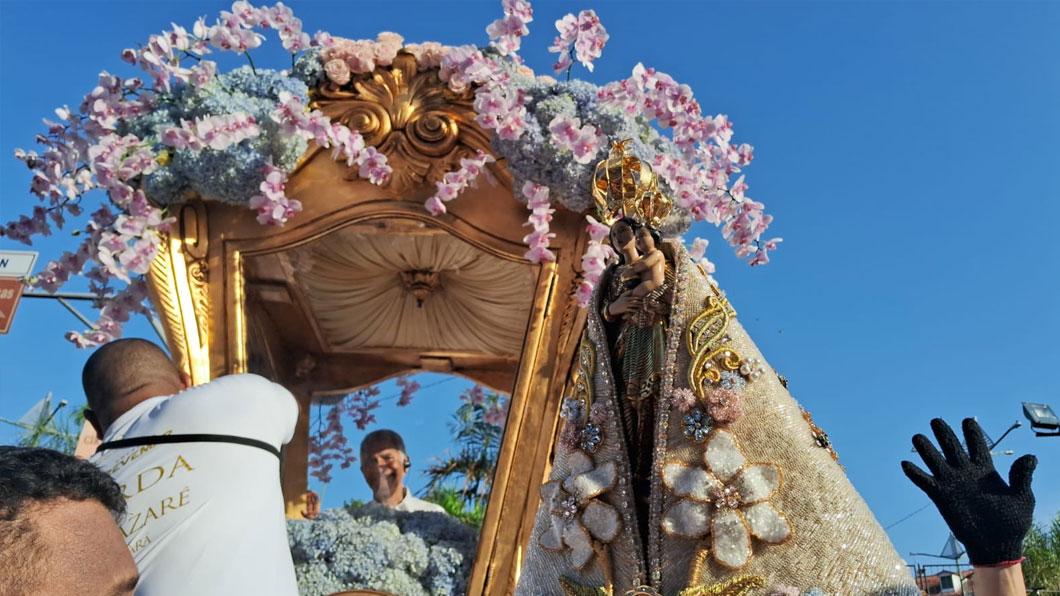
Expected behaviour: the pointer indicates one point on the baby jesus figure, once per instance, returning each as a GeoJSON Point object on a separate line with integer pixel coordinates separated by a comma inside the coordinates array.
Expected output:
{"type": "Point", "coordinates": [650, 267]}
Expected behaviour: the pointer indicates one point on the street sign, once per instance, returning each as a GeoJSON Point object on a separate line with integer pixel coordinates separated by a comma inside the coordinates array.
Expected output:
{"type": "Point", "coordinates": [17, 263]}
{"type": "Point", "coordinates": [10, 292]}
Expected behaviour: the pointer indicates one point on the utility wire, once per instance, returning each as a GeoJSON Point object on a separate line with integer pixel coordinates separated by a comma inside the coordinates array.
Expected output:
{"type": "Point", "coordinates": [908, 516]}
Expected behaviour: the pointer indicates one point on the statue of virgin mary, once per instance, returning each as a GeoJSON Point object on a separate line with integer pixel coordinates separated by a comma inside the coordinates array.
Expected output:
{"type": "Point", "coordinates": [683, 466]}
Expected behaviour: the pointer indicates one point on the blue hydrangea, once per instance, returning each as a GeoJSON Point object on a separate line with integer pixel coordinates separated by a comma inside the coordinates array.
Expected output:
{"type": "Point", "coordinates": [422, 553]}
{"type": "Point", "coordinates": [534, 158]}
{"type": "Point", "coordinates": [308, 68]}
{"type": "Point", "coordinates": [235, 174]}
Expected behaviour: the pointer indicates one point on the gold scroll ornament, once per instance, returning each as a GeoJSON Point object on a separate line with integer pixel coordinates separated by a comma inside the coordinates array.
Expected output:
{"type": "Point", "coordinates": [412, 117]}
{"type": "Point", "coordinates": [707, 344]}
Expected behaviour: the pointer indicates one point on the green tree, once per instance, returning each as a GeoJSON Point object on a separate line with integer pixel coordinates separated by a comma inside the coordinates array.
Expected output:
{"type": "Point", "coordinates": [1041, 569]}
{"type": "Point", "coordinates": [49, 427]}
{"type": "Point", "coordinates": [464, 478]}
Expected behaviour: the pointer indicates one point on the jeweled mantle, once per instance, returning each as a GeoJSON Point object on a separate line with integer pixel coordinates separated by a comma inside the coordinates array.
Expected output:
{"type": "Point", "coordinates": [835, 544]}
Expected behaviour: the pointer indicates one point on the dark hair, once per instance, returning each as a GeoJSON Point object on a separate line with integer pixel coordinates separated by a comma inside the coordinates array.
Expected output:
{"type": "Point", "coordinates": [635, 226]}
{"type": "Point", "coordinates": [383, 435]}
{"type": "Point", "coordinates": [123, 366]}
{"type": "Point", "coordinates": [655, 235]}
{"type": "Point", "coordinates": [32, 474]}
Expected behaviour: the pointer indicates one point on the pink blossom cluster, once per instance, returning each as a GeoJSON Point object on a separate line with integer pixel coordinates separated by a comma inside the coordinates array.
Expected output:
{"type": "Point", "coordinates": [697, 252]}
{"type": "Point", "coordinates": [409, 387]}
{"type": "Point", "coordinates": [216, 132]}
{"type": "Point", "coordinates": [476, 395]}
{"type": "Point", "coordinates": [119, 245]}
{"type": "Point", "coordinates": [497, 412]}
{"type": "Point", "coordinates": [114, 311]}
{"type": "Point", "coordinates": [272, 205]}
{"type": "Point", "coordinates": [499, 103]}
{"type": "Point", "coordinates": [586, 33]}
{"type": "Point", "coordinates": [329, 445]}
{"type": "Point", "coordinates": [500, 107]}
{"type": "Point", "coordinates": [700, 177]}
{"type": "Point", "coordinates": [234, 31]}
{"type": "Point", "coordinates": [568, 133]}
{"type": "Point", "coordinates": [540, 217]}
{"type": "Point", "coordinates": [493, 405]}
{"type": "Point", "coordinates": [160, 57]}
{"type": "Point", "coordinates": [291, 115]}
{"type": "Point", "coordinates": [595, 259]}
{"type": "Point", "coordinates": [428, 54]}
{"type": "Point", "coordinates": [506, 33]}
{"type": "Point", "coordinates": [347, 57]}
{"type": "Point", "coordinates": [454, 183]}
{"type": "Point", "coordinates": [83, 152]}
{"type": "Point", "coordinates": [110, 101]}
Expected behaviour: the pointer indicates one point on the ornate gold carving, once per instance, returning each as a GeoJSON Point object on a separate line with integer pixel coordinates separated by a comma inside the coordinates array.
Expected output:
{"type": "Point", "coordinates": [198, 279]}
{"type": "Point", "coordinates": [164, 291]}
{"type": "Point", "coordinates": [181, 297]}
{"type": "Point", "coordinates": [412, 117]}
{"type": "Point", "coordinates": [707, 344]}
{"type": "Point", "coordinates": [421, 284]}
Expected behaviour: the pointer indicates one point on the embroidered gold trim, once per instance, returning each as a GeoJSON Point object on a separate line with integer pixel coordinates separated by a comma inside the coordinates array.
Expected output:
{"type": "Point", "coordinates": [707, 346]}
{"type": "Point", "coordinates": [737, 586]}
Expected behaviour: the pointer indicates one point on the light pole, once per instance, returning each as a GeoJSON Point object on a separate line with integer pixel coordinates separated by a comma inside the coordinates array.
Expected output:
{"type": "Point", "coordinates": [1042, 418]}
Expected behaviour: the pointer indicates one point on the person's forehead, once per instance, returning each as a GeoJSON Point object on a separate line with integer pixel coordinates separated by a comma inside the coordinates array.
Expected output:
{"type": "Point", "coordinates": [84, 546]}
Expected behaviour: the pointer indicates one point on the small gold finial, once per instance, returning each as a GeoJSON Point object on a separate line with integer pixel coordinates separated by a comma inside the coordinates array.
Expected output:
{"type": "Point", "coordinates": [625, 186]}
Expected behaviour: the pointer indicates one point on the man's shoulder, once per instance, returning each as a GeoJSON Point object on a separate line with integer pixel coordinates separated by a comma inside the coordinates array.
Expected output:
{"type": "Point", "coordinates": [239, 387]}
{"type": "Point", "coordinates": [411, 503]}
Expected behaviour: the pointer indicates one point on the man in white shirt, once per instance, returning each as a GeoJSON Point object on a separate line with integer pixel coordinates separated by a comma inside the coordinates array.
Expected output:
{"type": "Point", "coordinates": [204, 517]}
{"type": "Point", "coordinates": [384, 464]}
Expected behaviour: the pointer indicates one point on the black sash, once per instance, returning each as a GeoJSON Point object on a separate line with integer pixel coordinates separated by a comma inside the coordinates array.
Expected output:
{"type": "Point", "coordinates": [190, 438]}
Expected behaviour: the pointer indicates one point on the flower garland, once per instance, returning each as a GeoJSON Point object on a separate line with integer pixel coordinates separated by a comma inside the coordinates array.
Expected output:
{"type": "Point", "coordinates": [182, 129]}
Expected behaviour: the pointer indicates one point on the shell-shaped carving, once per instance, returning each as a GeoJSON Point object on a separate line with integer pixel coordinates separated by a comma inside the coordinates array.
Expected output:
{"type": "Point", "coordinates": [412, 117]}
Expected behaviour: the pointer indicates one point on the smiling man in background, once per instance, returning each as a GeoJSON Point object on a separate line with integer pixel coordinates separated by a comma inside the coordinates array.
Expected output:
{"type": "Point", "coordinates": [384, 464]}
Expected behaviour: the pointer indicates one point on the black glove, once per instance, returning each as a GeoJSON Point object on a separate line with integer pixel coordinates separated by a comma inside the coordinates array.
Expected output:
{"type": "Point", "coordinates": [988, 516]}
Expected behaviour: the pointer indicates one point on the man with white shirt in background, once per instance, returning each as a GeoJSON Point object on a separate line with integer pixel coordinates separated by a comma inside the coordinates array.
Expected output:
{"type": "Point", "coordinates": [201, 476]}
{"type": "Point", "coordinates": [384, 463]}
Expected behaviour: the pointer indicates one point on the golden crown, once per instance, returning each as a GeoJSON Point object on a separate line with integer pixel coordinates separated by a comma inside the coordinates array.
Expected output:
{"type": "Point", "coordinates": [625, 186]}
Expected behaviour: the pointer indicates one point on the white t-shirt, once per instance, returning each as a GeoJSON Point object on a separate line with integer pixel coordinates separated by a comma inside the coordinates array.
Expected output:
{"type": "Point", "coordinates": [207, 519]}
{"type": "Point", "coordinates": [409, 503]}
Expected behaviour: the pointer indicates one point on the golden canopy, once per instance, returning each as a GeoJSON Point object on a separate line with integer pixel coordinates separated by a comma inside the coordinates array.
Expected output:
{"type": "Point", "coordinates": [364, 285]}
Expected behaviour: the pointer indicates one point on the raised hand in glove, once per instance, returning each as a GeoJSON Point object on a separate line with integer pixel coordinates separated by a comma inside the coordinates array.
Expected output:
{"type": "Point", "coordinates": [988, 516]}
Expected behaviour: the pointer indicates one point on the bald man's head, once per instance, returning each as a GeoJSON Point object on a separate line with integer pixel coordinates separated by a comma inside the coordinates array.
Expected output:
{"type": "Point", "coordinates": [123, 373]}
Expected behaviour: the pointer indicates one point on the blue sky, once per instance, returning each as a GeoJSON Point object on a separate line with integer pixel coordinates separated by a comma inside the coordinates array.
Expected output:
{"type": "Point", "coordinates": [907, 150]}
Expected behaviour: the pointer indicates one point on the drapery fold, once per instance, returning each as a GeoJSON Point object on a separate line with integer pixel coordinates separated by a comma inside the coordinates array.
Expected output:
{"type": "Point", "coordinates": [353, 281]}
